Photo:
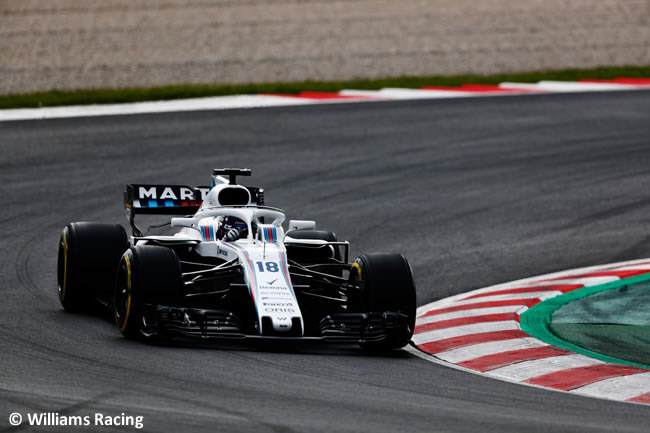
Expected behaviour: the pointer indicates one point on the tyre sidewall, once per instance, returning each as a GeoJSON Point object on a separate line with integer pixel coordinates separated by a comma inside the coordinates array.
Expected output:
{"type": "Point", "coordinates": [147, 275]}
{"type": "Point", "coordinates": [88, 257]}
{"type": "Point", "coordinates": [388, 285]}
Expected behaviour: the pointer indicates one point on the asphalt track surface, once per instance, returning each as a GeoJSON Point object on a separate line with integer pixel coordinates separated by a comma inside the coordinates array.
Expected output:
{"type": "Point", "coordinates": [473, 191]}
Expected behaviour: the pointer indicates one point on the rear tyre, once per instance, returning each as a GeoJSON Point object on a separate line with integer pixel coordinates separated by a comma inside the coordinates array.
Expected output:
{"type": "Point", "coordinates": [146, 275]}
{"type": "Point", "coordinates": [88, 257]}
{"type": "Point", "coordinates": [388, 286]}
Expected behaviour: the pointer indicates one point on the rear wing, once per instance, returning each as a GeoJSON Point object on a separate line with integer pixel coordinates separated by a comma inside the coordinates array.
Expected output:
{"type": "Point", "coordinates": [170, 200]}
{"type": "Point", "coordinates": [164, 199]}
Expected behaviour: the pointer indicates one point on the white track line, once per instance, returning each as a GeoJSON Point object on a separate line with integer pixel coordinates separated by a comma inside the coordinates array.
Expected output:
{"type": "Point", "coordinates": [567, 86]}
{"type": "Point", "coordinates": [432, 359]}
{"type": "Point", "coordinates": [256, 101]}
{"type": "Point", "coordinates": [178, 105]}
{"type": "Point", "coordinates": [395, 93]}
{"type": "Point", "coordinates": [634, 268]}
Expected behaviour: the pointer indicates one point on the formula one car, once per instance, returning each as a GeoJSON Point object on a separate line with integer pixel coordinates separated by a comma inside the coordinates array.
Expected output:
{"type": "Point", "coordinates": [230, 271]}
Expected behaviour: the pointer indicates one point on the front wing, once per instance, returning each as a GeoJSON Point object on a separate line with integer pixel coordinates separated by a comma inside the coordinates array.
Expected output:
{"type": "Point", "coordinates": [197, 323]}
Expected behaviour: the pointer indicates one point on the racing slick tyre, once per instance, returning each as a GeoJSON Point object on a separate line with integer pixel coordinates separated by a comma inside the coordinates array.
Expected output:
{"type": "Point", "coordinates": [388, 286]}
{"type": "Point", "coordinates": [146, 274]}
{"type": "Point", "coordinates": [88, 257]}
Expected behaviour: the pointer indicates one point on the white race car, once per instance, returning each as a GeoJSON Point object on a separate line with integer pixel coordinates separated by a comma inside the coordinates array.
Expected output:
{"type": "Point", "coordinates": [231, 271]}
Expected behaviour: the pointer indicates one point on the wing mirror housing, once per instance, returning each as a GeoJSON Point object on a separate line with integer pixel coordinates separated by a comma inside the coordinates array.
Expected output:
{"type": "Point", "coordinates": [301, 225]}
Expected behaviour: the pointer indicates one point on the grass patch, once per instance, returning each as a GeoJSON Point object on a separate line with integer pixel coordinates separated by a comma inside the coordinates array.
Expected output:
{"type": "Point", "coordinates": [111, 96]}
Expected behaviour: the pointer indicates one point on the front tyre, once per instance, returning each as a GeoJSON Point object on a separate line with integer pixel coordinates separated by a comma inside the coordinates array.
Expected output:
{"type": "Point", "coordinates": [88, 257]}
{"type": "Point", "coordinates": [146, 275]}
{"type": "Point", "coordinates": [387, 286]}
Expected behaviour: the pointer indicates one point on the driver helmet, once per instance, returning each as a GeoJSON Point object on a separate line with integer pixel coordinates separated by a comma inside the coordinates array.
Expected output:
{"type": "Point", "coordinates": [231, 222]}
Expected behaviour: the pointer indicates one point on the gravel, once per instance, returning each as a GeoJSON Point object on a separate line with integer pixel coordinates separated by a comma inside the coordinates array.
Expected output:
{"type": "Point", "coordinates": [69, 44]}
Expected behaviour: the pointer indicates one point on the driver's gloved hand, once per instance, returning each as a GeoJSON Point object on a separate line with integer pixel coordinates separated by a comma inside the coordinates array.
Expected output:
{"type": "Point", "coordinates": [232, 235]}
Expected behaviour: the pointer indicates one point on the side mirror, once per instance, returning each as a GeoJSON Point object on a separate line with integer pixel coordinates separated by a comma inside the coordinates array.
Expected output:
{"type": "Point", "coordinates": [301, 225]}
